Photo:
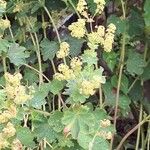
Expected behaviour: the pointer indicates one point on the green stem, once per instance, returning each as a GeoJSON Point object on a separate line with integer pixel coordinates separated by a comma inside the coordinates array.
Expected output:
{"type": "Point", "coordinates": [53, 23]}
{"type": "Point", "coordinates": [39, 59]}
{"type": "Point", "coordinates": [36, 44]}
{"type": "Point", "coordinates": [70, 1]}
{"type": "Point", "coordinates": [133, 83]}
{"type": "Point", "coordinates": [122, 56]}
{"type": "Point", "coordinates": [147, 138]}
{"type": "Point", "coordinates": [37, 71]}
{"type": "Point", "coordinates": [43, 21]}
{"type": "Point", "coordinates": [139, 128]}
{"type": "Point", "coordinates": [10, 30]}
{"type": "Point", "coordinates": [4, 64]}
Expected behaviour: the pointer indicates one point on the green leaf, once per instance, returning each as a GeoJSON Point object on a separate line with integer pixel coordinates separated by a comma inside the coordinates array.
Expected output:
{"type": "Point", "coordinates": [135, 63]}
{"type": "Point", "coordinates": [110, 59]}
{"type": "Point", "coordinates": [39, 96]}
{"type": "Point", "coordinates": [55, 4]}
{"type": "Point", "coordinates": [75, 45]}
{"type": "Point", "coordinates": [76, 118]}
{"type": "Point", "coordinates": [4, 45]}
{"type": "Point", "coordinates": [89, 57]}
{"type": "Point", "coordinates": [98, 143]}
{"type": "Point", "coordinates": [124, 103]}
{"type": "Point", "coordinates": [74, 93]}
{"type": "Point", "coordinates": [146, 73]}
{"type": "Point", "coordinates": [44, 130]}
{"type": "Point", "coordinates": [110, 98]}
{"type": "Point", "coordinates": [25, 136]}
{"type": "Point", "coordinates": [2, 9]}
{"type": "Point", "coordinates": [55, 121]}
{"type": "Point", "coordinates": [109, 95]}
{"type": "Point", "coordinates": [17, 54]}
{"type": "Point", "coordinates": [56, 86]}
{"type": "Point", "coordinates": [118, 22]}
{"type": "Point", "coordinates": [136, 23]}
{"type": "Point", "coordinates": [49, 49]}
{"type": "Point", "coordinates": [124, 83]}
{"type": "Point", "coordinates": [66, 142]}
{"type": "Point", "coordinates": [136, 93]}
{"type": "Point", "coordinates": [30, 76]}
{"type": "Point", "coordinates": [147, 13]}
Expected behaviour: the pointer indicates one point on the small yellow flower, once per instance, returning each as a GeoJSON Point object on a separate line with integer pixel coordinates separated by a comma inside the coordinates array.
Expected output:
{"type": "Point", "coordinates": [109, 37]}
{"type": "Point", "coordinates": [78, 28]}
{"type": "Point", "coordinates": [14, 80]}
{"type": "Point", "coordinates": [100, 6]}
{"type": "Point", "coordinates": [9, 130]}
{"type": "Point", "coordinates": [18, 7]}
{"type": "Point", "coordinates": [3, 118]}
{"type": "Point", "coordinates": [87, 88]}
{"type": "Point", "coordinates": [95, 39]}
{"type": "Point", "coordinates": [3, 142]}
{"type": "Point", "coordinates": [3, 4]}
{"type": "Point", "coordinates": [109, 136]}
{"type": "Point", "coordinates": [64, 50]}
{"type": "Point", "coordinates": [59, 76]}
{"type": "Point", "coordinates": [63, 68]}
{"type": "Point", "coordinates": [101, 31]}
{"type": "Point", "coordinates": [4, 24]}
{"type": "Point", "coordinates": [65, 73]}
{"type": "Point", "coordinates": [105, 135]}
{"type": "Point", "coordinates": [82, 8]}
{"type": "Point", "coordinates": [21, 96]}
{"type": "Point", "coordinates": [111, 28]}
{"type": "Point", "coordinates": [105, 123]}
{"type": "Point", "coordinates": [15, 91]}
{"type": "Point", "coordinates": [76, 64]}
{"type": "Point", "coordinates": [96, 80]}
{"type": "Point", "coordinates": [16, 145]}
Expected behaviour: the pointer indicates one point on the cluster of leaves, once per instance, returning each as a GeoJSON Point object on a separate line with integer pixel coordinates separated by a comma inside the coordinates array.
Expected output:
{"type": "Point", "coordinates": [49, 120]}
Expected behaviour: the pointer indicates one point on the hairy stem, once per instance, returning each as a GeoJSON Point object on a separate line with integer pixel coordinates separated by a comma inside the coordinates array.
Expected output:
{"type": "Point", "coordinates": [122, 56]}
{"type": "Point", "coordinates": [139, 128]}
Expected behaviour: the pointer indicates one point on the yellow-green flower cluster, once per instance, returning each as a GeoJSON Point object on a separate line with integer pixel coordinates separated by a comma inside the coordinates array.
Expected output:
{"type": "Point", "coordinates": [105, 134]}
{"type": "Point", "coordinates": [3, 4]}
{"type": "Point", "coordinates": [109, 37]}
{"type": "Point", "coordinates": [88, 87]}
{"type": "Point", "coordinates": [105, 123]}
{"type": "Point", "coordinates": [15, 91]}
{"type": "Point", "coordinates": [8, 132]}
{"type": "Point", "coordinates": [82, 8]}
{"type": "Point", "coordinates": [101, 31]}
{"type": "Point", "coordinates": [18, 7]}
{"type": "Point", "coordinates": [4, 24]}
{"type": "Point", "coordinates": [65, 73]}
{"type": "Point", "coordinates": [16, 145]}
{"type": "Point", "coordinates": [78, 28]}
{"type": "Point", "coordinates": [100, 6]}
{"type": "Point", "coordinates": [94, 39]}
{"type": "Point", "coordinates": [64, 50]}
{"type": "Point", "coordinates": [102, 38]}
{"type": "Point", "coordinates": [15, 94]}
{"type": "Point", "coordinates": [8, 114]}
{"type": "Point", "coordinates": [76, 64]}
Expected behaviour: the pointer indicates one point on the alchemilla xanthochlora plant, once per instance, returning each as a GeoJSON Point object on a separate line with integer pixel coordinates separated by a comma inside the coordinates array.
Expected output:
{"type": "Point", "coordinates": [63, 86]}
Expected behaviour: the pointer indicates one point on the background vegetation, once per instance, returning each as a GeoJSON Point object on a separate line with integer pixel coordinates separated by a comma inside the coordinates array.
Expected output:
{"type": "Point", "coordinates": [37, 111]}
